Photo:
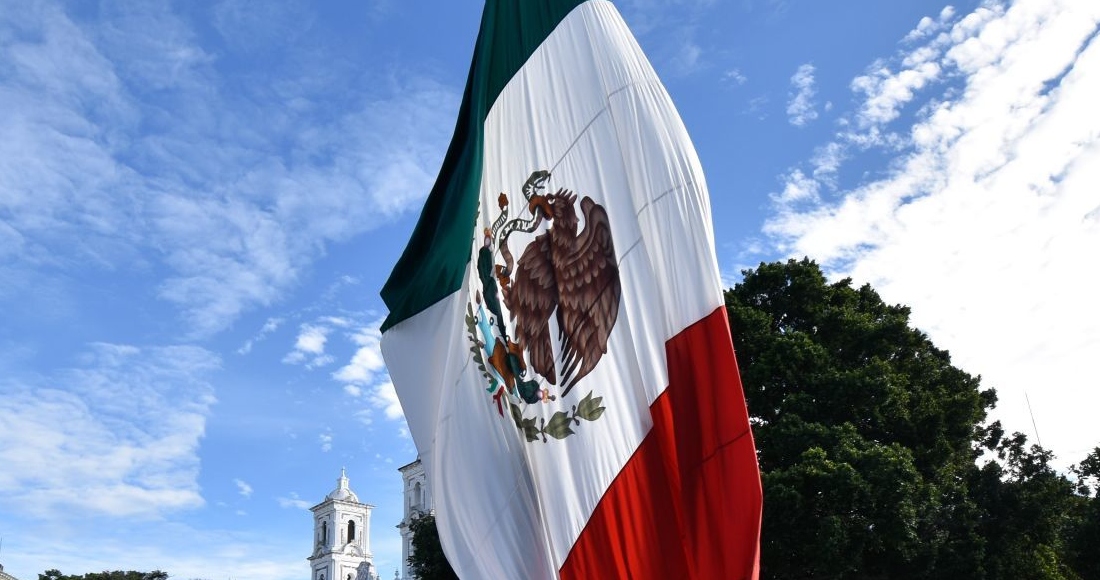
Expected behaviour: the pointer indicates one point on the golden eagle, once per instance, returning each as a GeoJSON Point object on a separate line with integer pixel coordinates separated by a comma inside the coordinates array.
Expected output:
{"type": "Point", "coordinates": [576, 274]}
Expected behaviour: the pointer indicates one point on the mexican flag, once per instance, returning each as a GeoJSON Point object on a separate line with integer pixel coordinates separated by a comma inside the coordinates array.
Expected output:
{"type": "Point", "coordinates": [557, 334]}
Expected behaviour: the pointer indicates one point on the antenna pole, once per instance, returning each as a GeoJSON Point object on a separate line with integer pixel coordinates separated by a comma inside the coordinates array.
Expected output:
{"type": "Point", "coordinates": [1033, 426]}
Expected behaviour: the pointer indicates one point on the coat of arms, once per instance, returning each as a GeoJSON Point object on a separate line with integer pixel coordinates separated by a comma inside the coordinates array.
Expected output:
{"type": "Point", "coordinates": [566, 280]}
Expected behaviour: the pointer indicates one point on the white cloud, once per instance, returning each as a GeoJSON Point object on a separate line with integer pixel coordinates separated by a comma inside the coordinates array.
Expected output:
{"type": "Point", "coordinates": [366, 374]}
{"type": "Point", "coordinates": [326, 442]}
{"type": "Point", "coordinates": [293, 501]}
{"type": "Point", "coordinates": [645, 16]}
{"type": "Point", "coordinates": [123, 150]}
{"type": "Point", "coordinates": [152, 47]}
{"type": "Point", "coordinates": [312, 339]}
{"type": "Point", "coordinates": [309, 348]}
{"type": "Point", "coordinates": [797, 188]}
{"type": "Point", "coordinates": [384, 397]}
{"type": "Point", "coordinates": [271, 325]}
{"type": "Point", "coordinates": [337, 321]}
{"type": "Point", "coordinates": [756, 106]}
{"type": "Point", "coordinates": [366, 366]}
{"type": "Point", "coordinates": [735, 76]}
{"type": "Point", "coordinates": [688, 59]}
{"type": "Point", "coordinates": [923, 27]}
{"type": "Point", "coordinates": [250, 27]}
{"type": "Point", "coordinates": [365, 417]}
{"type": "Point", "coordinates": [801, 108]}
{"type": "Point", "coordinates": [671, 33]}
{"type": "Point", "coordinates": [988, 211]}
{"type": "Point", "coordinates": [886, 92]}
{"type": "Point", "coordinates": [929, 26]}
{"type": "Point", "coordinates": [827, 160]}
{"type": "Point", "coordinates": [181, 550]}
{"type": "Point", "coordinates": [61, 96]}
{"type": "Point", "coordinates": [243, 488]}
{"type": "Point", "coordinates": [118, 436]}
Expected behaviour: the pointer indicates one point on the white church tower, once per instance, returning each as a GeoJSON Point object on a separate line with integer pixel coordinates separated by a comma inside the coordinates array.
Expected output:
{"type": "Point", "coordinates": [341, 536]}
{"type": "Point", "coordinates": [418, 500]}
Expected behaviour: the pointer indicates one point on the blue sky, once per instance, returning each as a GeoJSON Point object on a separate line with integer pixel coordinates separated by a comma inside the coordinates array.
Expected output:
{"type": "Point", "coordinates": [199, 202]}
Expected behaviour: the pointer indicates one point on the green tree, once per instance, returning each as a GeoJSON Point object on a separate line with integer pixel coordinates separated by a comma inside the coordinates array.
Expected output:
{"type": "Point", "coordinates": [874, 449]}
{"type": "Point", "coordinates": [55, 574]}
{"type": "Point", "coordinates": [865, 431]}
{"type": "Point", "coordinates": [427, 561]}
{"type": "Point", "coordinates": [1085, 536]}
{"type": "Point", "coordinates": [1030, 512]}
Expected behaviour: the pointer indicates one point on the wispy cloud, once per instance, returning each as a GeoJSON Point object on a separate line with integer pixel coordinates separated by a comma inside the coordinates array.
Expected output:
{"type": "Point", "coordinates": [385, 398]}
{"type": "Point", "coordinates": [243, 488]}
{"type": "Point", "coordinates": [126, 149]}
{"type": "Point", "coordinates": [62, 98]}
{"type": "Point", "coordinates": [364, 175]}
{"type": "Point", "coordinates": [181, 550]}
{"type": "Point", "coordinates": [886, 92]}
{"type": "Point", "coordinates": [646, 16]}
{"type": "Point", "coordinates": [248, 27]}
{"type": "Point", "coordinates": [366, 366]}
{"type": "Point", "coordinates": [365, 375]}
{"type": "Point", "coordinates": [309, 349]}
{"type": "Point", "coordinates": [798, 189]}
{"type": "Point", "coordinates": [689, 58]}
{"type": "Point", "coordinates": [271, 325]}
{"type": "Point", "coordinates": [989, 206]}
{"type": "Point", "coordinates": [756, 106]}
{"type": "Point", "coordinates": [364, 416]}
{"type": "Point", "coordinates": [735, 76]}
{"type": "Point", "coordinates": [293, 501]}
{"type": "Point", "coordinates": [929, 26]}
{"type": "Point", "coordinates": [801, 108]}
{"type": "Point", "coordinates": [678, 49]}
{"type": "Point", "coordinates": [117, 436]}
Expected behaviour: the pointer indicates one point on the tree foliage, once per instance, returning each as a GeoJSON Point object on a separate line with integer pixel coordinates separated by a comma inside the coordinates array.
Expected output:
{"type": "Point", "coordinates": [873, 447]}
{"type": "Point", "coordinates": [427, 560]}
{"type": "Point", "coordinates": [105, 575]}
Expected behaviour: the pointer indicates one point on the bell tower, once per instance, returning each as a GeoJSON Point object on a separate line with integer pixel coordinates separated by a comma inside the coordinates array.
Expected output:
{"type": "Point", "coordinates": [418, 501]}
{"type": "Point", "coordinates": [341, 536]}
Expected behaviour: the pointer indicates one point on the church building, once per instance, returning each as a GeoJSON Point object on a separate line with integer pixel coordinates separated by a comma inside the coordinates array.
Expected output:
{"type": "Point", "coordinates": [341, 536]}
{"type": "Point", "coordinates": [418, 500]}
{"type": "Point", "coordinates": [5, 575]}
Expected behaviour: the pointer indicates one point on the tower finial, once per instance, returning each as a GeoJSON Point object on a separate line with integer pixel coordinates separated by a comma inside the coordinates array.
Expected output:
{"type": "Point", "coordinates": [342, 483]}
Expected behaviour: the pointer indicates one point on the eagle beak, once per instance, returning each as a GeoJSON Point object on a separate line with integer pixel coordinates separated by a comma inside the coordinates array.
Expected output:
{"type": "Point", "coordinates": [541, 203]}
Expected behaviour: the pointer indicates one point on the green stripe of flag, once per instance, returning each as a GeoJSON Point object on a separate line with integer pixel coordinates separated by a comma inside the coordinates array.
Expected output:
{"type": "Point", "coordinates": [433, 264]}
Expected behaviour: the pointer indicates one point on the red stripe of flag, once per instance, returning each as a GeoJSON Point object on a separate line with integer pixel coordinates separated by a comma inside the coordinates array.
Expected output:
{"type": "Point", "coordinates": [687, 503]}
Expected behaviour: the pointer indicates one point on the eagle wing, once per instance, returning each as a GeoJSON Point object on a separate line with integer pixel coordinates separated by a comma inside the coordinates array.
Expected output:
{"type": "Point", "coordinates": [589, 290]}
{"type": "Point", "coordinates": [533, 296]}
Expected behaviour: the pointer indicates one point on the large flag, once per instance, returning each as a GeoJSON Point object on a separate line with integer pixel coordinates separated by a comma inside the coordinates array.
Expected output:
{"type": "Point", "coordinates": [557, 334]}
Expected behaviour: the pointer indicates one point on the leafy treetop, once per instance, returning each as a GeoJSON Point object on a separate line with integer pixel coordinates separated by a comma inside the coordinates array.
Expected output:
{"type": "Point", "coordinates": [105, 575]}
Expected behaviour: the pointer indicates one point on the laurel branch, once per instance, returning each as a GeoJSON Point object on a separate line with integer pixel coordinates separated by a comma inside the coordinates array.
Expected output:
{"type": "Point", "coordinates": [560, 424]}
